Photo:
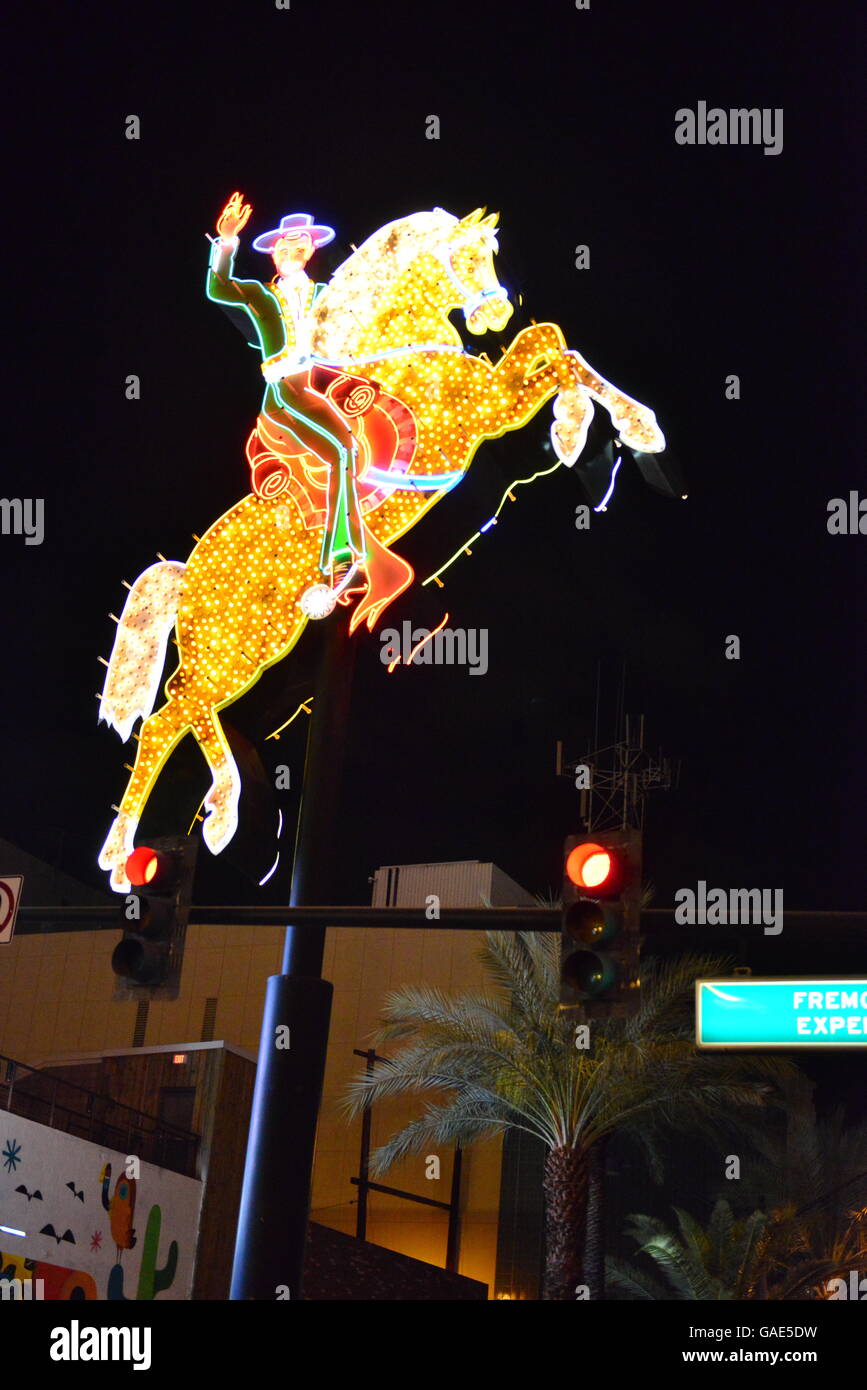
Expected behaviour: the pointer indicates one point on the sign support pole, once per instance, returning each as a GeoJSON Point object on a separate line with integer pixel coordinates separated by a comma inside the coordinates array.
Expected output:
{"type": "Point", "coordinates": [275, 1198]}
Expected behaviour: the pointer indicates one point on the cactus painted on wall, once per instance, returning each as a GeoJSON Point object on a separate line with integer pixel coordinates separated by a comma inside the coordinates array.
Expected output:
{"type": "Point", "coordinates": [152, 1279]}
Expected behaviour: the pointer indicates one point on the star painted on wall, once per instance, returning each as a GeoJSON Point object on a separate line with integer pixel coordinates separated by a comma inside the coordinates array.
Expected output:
{"type": "Point", "coordinates": [96, 1240]}
{"type": "Point", "coordinates": [11, 1155]}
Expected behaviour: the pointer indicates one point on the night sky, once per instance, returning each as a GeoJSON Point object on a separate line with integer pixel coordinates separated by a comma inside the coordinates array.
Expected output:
{"type": "Point", "coordinates": [704, 262]}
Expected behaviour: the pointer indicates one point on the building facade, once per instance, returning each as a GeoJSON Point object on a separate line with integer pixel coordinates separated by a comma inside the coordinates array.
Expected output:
{"type": "Point", "coordinates": [56, 1009]}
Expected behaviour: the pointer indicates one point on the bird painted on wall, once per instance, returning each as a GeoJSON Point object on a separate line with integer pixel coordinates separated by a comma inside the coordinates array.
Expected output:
{"type": "Point", "coordinates": [50, 1231]}
{"type": "Point", "coordinates": [30, 1195]}
{"type": "Point", "coordinates": [120, 1207]}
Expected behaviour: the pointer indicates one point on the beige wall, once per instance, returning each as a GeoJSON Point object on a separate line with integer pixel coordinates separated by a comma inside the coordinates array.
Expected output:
{"type": "Point", "coordinates": [55, 999]}
{"type": "Point", "coordinates": [56, 992]}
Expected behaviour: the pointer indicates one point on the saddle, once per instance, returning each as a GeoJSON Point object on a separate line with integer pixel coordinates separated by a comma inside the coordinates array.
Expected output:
{"type": "Point", "coordinates": [384, 429]}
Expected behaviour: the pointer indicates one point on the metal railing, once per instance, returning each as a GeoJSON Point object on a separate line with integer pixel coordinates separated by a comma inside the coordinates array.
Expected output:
{"type": "Point", "coordinates": [64, 1105]}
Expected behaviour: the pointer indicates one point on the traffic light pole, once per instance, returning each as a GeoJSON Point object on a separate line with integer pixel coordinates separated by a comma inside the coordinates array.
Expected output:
{"type": "Point", "coordinates": [73, 918]}
{"type": "Point", "coordinates": [275, 1197]}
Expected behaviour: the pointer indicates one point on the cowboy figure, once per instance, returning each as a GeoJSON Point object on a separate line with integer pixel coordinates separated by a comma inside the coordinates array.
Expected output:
{"type": "Point", "coordinates": [281, 313]}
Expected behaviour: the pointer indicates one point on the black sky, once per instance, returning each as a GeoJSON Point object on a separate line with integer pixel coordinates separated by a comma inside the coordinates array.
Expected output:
{"type": "Point", "coordinates": [704, 262]}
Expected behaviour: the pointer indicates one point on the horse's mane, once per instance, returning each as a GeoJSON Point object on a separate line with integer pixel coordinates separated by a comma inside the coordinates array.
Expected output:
{"type": "Point", "coordinates": [358, 286]}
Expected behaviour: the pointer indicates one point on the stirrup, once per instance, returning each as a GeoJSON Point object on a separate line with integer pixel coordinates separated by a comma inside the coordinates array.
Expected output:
{"type": "Point", "coordinates": [320, 600]}
{"type": "Point", "coordinates": [350, 569]}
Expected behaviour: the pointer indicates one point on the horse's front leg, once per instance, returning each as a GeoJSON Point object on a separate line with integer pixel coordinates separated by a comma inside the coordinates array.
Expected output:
{"type": "Point", "coordinates": [538, 363]}
{"type": "Point", "coordinates": [536, 366]}
{"type": "Point", "coordinates": [635, 423]}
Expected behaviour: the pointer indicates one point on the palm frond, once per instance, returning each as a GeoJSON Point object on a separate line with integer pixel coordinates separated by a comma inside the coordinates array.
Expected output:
{"type": "Point", "coordinates": [461, 1122]}
{"type": "Point", "coordinates": [696, 1240]}
{"type": "Point", "coordinates": [686, 1273]}
{"type": "Point", "coordinates": [720, 1233]}
{"type": "Point", "coordinates": [631, 1280]}
{"type": "Point", "coordinates": [745, 1252]}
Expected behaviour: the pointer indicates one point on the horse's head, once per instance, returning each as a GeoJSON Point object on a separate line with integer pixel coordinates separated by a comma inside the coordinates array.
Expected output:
{"type": "Point", "coordinates": [399, 287]}
{"type": "Point", "coordinates": [468, 256]}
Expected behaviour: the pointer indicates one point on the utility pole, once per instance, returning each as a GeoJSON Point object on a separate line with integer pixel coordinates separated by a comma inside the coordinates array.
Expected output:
{"type": "Point", "coordinates": [275, 1197]}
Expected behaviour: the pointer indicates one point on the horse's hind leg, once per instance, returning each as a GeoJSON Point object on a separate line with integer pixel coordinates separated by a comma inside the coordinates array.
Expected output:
{"type": "Point", "coordinates": [160, 735]}
{"type": "Point", "coordinates": [221, 802]}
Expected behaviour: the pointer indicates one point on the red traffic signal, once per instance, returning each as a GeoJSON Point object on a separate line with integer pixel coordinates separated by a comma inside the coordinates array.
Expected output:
{"type": "Point", "coordinates": [149, 868]}
{"type": "Point", "coordinates": [150, 952]}
{"type": "Point", "coordinates": [595, 869]}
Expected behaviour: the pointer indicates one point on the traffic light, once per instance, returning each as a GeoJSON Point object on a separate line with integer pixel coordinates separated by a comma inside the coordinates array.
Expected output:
{"type": "Point", "coordinates": [600, 942]}
{"type": "Point", "coordinates": [151, 950]}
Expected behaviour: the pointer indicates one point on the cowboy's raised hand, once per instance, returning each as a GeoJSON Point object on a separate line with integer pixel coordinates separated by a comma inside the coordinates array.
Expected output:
{"type": "Point", "coordinates": [234, 216]}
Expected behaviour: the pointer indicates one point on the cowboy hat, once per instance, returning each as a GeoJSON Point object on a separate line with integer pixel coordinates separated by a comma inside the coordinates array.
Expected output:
{"type": "Point", "coordinates": [295, 222]}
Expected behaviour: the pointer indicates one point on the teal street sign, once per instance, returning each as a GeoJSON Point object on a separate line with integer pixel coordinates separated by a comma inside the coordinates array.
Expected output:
{"type": "Point", "coordinates": [744, 1012]}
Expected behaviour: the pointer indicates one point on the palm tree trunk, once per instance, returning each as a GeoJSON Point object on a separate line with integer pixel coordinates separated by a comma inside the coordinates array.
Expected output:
{"type": "Point", "coordinates": [566, 1184]}
{"type": "Point", "coordinates": [594, 1240]}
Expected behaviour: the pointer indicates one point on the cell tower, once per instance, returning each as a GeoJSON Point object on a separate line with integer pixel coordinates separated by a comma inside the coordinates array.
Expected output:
{"type": "Point", "coordinates": [614, 780]}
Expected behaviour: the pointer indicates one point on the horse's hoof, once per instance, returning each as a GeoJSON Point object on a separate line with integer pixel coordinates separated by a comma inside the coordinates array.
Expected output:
{"type": "Point", "coordinates": [114, 854]}
{"type": "Point", "coordinates": [640, 431]}
{"type": "Point", "coordinates": [219, 826]}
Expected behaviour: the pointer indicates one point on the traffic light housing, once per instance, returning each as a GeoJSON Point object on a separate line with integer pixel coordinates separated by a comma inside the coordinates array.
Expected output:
{"type": "Point", "coordinates": [600, 938]}
{"type": "Point", "coordinates": [150, 953]}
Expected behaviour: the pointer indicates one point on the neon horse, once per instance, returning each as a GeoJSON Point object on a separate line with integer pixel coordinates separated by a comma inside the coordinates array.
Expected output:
{"type": "Point", "coordinates": [236, 604]}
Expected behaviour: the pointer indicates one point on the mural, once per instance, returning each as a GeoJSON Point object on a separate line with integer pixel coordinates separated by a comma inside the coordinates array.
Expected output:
{"type": "Point", "coordinates": [63, 1220]}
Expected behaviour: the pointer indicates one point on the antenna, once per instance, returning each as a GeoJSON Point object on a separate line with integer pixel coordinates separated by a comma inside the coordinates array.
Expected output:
{"type": "Point", "coordinates": [621, 775]}
{"type": "Point", "coordinates": [598, 694]}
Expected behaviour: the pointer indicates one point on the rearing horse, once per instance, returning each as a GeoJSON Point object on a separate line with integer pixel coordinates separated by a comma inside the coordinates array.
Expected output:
{"type": "Point", "coordinates": [236, 603]}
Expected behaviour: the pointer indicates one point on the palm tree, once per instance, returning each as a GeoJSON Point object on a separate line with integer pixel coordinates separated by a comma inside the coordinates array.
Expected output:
{"type": "Point", "coordinates": [814, 1185]}
{"type": "Point", "coordinates": [723, 1261]}
{"type": "Point", "coordinates": [509, 1060]}
{"type": "Point", "coordinates": [758, 1257]}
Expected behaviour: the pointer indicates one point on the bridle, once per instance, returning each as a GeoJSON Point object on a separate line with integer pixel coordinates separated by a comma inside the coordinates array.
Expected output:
{"type": "Point", "coordinates": [472, 299]}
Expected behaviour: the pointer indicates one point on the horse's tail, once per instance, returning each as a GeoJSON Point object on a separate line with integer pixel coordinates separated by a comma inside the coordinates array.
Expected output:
{"type": "Point", "coordinates": [139, 650]}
